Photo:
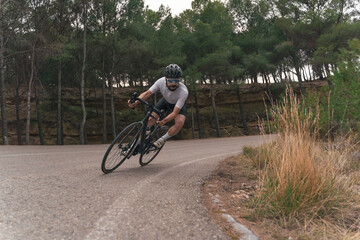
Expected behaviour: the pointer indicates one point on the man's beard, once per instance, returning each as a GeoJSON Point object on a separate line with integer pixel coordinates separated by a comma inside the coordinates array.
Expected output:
{"type": "Point", "coordinates": [172, 88]}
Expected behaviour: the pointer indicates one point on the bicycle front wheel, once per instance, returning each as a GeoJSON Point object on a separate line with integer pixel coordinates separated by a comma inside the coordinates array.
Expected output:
{"type": "Point", "coordinates": [150, 151]}
{"type": "Point", "coordinates": [121, 147]}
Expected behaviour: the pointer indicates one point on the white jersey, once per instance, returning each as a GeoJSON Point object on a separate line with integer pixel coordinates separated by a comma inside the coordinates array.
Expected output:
{"type": "Point", "coordinates": [177, 97]}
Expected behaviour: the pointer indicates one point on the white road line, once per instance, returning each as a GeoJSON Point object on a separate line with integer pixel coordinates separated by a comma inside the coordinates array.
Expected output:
{"type": "Point", "coordinates": [48, 153]}
{"type": "Point", "coordinates": [106, 225]}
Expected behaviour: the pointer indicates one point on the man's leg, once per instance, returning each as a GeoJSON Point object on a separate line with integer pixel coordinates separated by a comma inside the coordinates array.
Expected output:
{"type": "Point", "coordinates": [179, 123]}
{"type": "Point", "coordinates": [161, 105]}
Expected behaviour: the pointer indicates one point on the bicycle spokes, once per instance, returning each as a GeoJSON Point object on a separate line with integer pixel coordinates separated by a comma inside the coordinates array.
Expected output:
{"type": "Point", "coordinates": [150, 151]}
{"type": "Point", "coordinates": [121, 148]}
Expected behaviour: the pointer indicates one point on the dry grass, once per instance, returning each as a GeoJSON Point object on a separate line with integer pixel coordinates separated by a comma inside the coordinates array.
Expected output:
{"type": "Point", "coordinates": [305, 182]}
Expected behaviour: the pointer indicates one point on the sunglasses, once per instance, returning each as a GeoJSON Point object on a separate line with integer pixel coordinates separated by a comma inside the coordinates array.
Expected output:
{"type": "Point", "coordinates": [173, 80]}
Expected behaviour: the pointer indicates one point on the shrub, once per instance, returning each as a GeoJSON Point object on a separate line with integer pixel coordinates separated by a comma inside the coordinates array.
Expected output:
{"type": "Point", "coordinates": [301, 177]}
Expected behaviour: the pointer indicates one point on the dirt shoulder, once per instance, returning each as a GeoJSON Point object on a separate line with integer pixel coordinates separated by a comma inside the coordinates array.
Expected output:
{"type": "Point", "coordinates": [229, 190]}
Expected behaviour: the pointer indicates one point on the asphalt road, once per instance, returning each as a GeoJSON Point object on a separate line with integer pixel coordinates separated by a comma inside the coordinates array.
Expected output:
{"type": "Point", "coordinates": [59, 192]}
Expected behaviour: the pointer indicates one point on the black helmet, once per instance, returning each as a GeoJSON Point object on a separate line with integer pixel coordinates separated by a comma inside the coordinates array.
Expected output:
{"type": "Point", "coordinates": [173, 71]}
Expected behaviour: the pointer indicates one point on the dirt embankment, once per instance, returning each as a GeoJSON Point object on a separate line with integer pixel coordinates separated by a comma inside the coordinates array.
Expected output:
{"type": "Point", "coordinates": [253, 98]}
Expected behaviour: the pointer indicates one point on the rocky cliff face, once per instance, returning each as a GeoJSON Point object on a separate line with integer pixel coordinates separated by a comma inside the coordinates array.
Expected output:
{"type": "Point", "coordinates": [254, 97]}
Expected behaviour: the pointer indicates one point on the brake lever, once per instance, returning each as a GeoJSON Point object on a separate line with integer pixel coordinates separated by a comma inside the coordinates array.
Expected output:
{"type": "Point", "coordinates": [134, 97]}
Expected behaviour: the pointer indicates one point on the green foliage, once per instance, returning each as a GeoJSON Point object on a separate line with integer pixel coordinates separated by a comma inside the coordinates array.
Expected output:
{"type": "Point", "coordinates": [330, 43]}
{"type": "Point", "coordinates": [131, 44]}
{"type": "Point", "coordinates": [338, 105]}
{"type": "Point", "coordinates": [345, 96]}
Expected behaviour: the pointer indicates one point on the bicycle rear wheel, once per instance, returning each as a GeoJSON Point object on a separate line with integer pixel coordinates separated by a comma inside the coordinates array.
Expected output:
{"type": "Point", "coordinates": [150, 151]}
{"type": "Point", "coordinates": [121, 147]}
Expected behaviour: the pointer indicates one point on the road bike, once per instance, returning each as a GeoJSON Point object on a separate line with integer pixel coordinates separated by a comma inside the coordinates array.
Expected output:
{"type": "Point", "coordinates": [134, 140]}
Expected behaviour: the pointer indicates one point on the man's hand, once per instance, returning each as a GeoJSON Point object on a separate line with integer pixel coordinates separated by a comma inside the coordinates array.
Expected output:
{"type": "Point", "coordinates": [161, 123]}
{"type": "Point", "coordinates": [131, 105]}
{"type": "Point", "coordinates": [143, 96]}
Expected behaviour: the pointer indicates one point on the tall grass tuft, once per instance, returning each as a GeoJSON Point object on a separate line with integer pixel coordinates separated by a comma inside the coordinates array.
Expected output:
{"type": "Point", "coordinates": [301, 178]}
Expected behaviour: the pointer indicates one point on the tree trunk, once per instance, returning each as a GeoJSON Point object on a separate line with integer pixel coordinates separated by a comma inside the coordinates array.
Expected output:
{"type": "Point", "coordinates": [309, 72]}
{"type": "Point", "coordinates": [112, 97]}
{"type": "Point", "coordinates": [192, 121]}
{"type": "Point", "coordinates": [28, 102]}
{"type": "Point", "coordinates": [302, 71]}
{"type": "Point", "coordinates": [274, 77]}
{"type": "Point", "coordinates": [82, 88]}
{"type": "Point", "coordinates": [38, 115]}
{"type": "Point", "coordinates": [59, 122]}
{"type": "Point", "coordinates": [198, 114]}
{"type": "Point", "coordinates": [60, 133]}
{"type": "Point", "coordinates": [280, 74]}
{"type": "Point", "coordinates": [242, 113]}
{"type": "Point", "coordinates": [104, 138]}
{"type": "Point", "coordinates": [255, 79]}
{"type": "Point", "coordinates": [287, 78]}
{"type": "Point", "coordinates": [268, 90]}
{"type": "Point", "coordinates": [104, 104]}
{"type": "Point", "coordinates": [17, 107]}
{"type": "Point", "coordinates": [2, 82]}
{"type": "Point", "coordinates": [298, 73]}
{"type": "Point", "coordinates": [216, 118]}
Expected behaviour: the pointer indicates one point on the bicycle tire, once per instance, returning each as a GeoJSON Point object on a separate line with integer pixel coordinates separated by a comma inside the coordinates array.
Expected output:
{"type": "Point", "coordinates": [150, 151]}
{"type": "Point", "coordinates": [124, 144]}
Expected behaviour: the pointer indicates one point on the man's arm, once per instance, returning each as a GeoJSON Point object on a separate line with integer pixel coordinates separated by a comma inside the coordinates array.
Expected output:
{"type": "Point", "coordinates": [169, 117]}
{"type": "Point", "coordinates": [144, 96]}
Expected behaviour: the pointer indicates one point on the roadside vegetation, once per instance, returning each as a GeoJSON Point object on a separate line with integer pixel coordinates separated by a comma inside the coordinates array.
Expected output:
{"type": "Point", "coordinates": [309, 176]}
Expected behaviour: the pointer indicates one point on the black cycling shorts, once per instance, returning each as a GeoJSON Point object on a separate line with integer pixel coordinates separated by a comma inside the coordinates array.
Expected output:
{"type": "Point", "coordinates": [168, 107]}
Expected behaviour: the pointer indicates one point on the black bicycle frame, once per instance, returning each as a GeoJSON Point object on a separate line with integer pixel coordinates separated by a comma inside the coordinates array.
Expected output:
{"type": "Point", "coordinates": [150, 109]}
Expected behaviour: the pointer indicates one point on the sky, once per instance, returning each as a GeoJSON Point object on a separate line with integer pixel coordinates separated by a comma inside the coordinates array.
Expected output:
{"type": "Point", "coordinates": [177, 6]}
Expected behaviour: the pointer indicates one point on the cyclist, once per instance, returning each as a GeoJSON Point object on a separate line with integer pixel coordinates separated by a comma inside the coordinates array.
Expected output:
{"type": "Point", "coordinates": [174, 95]}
